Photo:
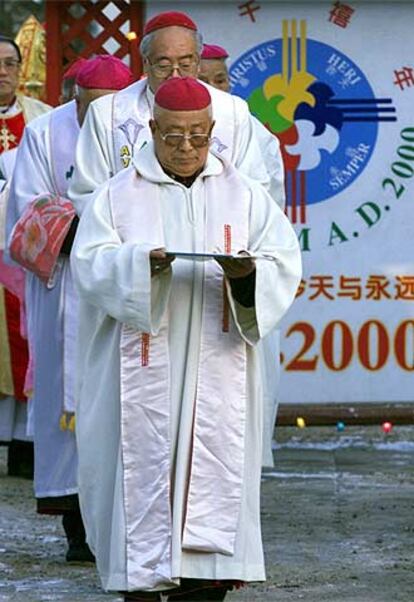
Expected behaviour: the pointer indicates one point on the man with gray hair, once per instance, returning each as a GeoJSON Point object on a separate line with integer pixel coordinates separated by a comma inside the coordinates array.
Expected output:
{"type": "Point", "coordinates": [117, 126]}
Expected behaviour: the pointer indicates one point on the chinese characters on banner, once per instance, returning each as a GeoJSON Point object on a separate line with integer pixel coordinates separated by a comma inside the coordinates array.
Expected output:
{"type": "Point", "coordinates": [375, 287]}
{"type": "Point", "coordinates": [341, 14]}
{"type": "Point", "coordinates": [248, 9]}
{"type": "Point", "coordinates": [404, 77]}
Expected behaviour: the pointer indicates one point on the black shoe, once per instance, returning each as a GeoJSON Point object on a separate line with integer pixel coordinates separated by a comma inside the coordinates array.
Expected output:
{"type": "Point", "coordinates": [20, 459]}
{"type": "Point", "coordinates": [80, 552]}
{"type": "Point", "coordinates": [218, 594]}
{"type": "Point", "coordinates": [192, 590]}
{"type": "Point", "coordinates": [141, 597]}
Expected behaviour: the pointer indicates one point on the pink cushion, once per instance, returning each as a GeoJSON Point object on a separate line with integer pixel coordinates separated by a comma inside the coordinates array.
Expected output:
{"type": "Point", "coordinates": [38, 236]}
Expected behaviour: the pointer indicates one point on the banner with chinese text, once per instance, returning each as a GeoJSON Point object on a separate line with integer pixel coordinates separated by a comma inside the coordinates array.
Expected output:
{"type": "Point", "coordinates": [335, 83]}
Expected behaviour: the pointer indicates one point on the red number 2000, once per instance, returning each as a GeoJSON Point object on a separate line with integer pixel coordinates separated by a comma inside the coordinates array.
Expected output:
{"type": "Point", "coordinates": [372, 345]}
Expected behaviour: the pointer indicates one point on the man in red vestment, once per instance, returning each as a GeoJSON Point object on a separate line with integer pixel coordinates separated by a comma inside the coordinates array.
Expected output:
{"type": "Point", "coordinates": [15, 111]}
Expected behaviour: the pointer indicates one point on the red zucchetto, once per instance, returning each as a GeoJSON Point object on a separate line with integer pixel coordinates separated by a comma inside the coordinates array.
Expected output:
{"type": "Point", "coordinates": [104, 72]}
{"type": "Point", "coordinates": [72, 71]}
{"type": "Point", "coordinates": [182, 94]}
{"type": "Point", "coordinates": [212, 51]}
{"type": "Point", "coordinates": [169, 19]}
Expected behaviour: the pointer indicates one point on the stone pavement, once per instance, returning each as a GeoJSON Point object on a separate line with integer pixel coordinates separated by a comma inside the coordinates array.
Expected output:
{"type": "Point", "coordinates": [338, 525]}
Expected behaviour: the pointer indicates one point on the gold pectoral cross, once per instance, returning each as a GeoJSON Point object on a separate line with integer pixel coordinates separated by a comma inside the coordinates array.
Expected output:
{"type": "Point", "coordinates": [7, 139]}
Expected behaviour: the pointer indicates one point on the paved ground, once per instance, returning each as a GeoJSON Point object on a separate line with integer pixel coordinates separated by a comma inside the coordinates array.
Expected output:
{"type": "Point", "coordinates": [338, 526]}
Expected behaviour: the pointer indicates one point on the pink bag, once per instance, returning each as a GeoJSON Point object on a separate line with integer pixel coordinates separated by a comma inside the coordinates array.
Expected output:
{"type": "Point", "coordinates": [38, 236]}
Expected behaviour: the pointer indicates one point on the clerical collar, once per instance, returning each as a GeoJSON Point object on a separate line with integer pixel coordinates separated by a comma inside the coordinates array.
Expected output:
{"type": "Point", "coordinates": [10, 108]}
{"type": "Point", "coordinates": [187, 182]}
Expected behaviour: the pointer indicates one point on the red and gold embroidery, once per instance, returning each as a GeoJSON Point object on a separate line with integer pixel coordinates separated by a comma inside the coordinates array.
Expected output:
{"type": "Point", "coordinates": [145, 347]}
{"type": "Point", "coordinates": [226, 305]}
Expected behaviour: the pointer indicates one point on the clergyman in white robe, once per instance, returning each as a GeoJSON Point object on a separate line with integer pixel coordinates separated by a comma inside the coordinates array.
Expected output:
{"type": "Point", "coordinates": [13, 413]}
{"type": "Point", "coordinates": [169, 417]}
{"type": "Point", "coordinates": [116, 127]}
{"type": "Point", "coordinates": [44, 165]}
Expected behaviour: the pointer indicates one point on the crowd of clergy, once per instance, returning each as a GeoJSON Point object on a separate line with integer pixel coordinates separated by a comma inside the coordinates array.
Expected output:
{"type": "Point", "coordinates": [145, 263]}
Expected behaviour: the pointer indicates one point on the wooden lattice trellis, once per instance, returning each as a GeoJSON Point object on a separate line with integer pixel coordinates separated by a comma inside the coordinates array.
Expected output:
{"type": "Point", "coordinates": [83, 28]}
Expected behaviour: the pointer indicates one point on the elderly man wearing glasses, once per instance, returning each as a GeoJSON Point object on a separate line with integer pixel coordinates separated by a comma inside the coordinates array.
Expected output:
{"type": "Point", "coordinates": [15, 111]}
{"type": "Point", "coordinates": [182, 265]}
{"type": "Point", "coordinates": [116, 127]}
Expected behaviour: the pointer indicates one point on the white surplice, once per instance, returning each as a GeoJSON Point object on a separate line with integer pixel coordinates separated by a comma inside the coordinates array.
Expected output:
{"type": "Point", "coordinates": [269, 346]}
{"type": "Point", "coordinates": [44, 165]}
{"type": "Point", "coordinates": [13, 413]}
{"type": "Point", "coordinates": [116, 126]}
{"type": "Point", "coordinates": [123, 441]}
{"type": "Point", "coordinates": [7, 163]}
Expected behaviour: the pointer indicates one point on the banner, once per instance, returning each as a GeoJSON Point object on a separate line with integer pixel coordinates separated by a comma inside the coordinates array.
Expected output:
{"type": "Point", "coordinates": [335, 83]}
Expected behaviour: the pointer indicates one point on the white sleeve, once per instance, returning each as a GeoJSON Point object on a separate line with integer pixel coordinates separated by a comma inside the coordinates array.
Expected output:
{"type": "Point", "coordinates": [270, 150]}
{"type": "Point", "coordinates": [93, 165]}
{"type": "Point", "coordinates": [113, 275]}
{"type": "Point", "coordinates": [31, 177]}
{"type": "Point", "coordinates": [246, 151]}
{"type": "Point", "coordinates": [7, 163]}
{"type": "Point", "coordinates": [277, 280]}
{"type": "Point", "coordinates": [256, 152]}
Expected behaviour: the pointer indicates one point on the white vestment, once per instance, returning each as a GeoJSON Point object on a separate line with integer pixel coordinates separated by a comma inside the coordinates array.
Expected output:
{"type": "Point", "coordinates": [44, 165]}
{"type": "Point", "coordinates": [116, 126]}
{"type": "Point", "coordinates": [150, 517]}
{"type": "Point", "coordinates": [7, 163]}
{"type": "Point", "coordinates": [13, 413]}
{"type": "Point", "coordinates": [269, 346]}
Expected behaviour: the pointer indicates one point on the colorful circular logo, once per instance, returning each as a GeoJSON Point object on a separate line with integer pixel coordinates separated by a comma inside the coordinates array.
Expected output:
{"type": "Point", "coordinates": [320, 105]}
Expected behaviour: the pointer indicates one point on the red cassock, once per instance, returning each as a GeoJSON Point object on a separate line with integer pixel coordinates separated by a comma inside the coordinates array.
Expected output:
{"type": "Point", "coordinates": [11, 131]}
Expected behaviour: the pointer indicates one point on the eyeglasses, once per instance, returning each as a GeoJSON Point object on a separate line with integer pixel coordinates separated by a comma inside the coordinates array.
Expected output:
{"type": "Point", "coordinates": [9, 64]}
{"type": "Point", "coordinates": [196, 140]}
{"type": "Point", "coordinates": [166, 68]}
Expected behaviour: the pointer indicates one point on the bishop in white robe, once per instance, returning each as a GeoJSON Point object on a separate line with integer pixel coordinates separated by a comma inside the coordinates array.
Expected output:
{"type": "Point", "coordinates": [169, 416]}
{"type": "Point", "coordinates": [13, 413]}
{"type": "Point", "coordinates": [40, 227]}
{"type": "Point", "coordinates": [16, 111]}
{"type": "Point", "coordinates": [116, 127]}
